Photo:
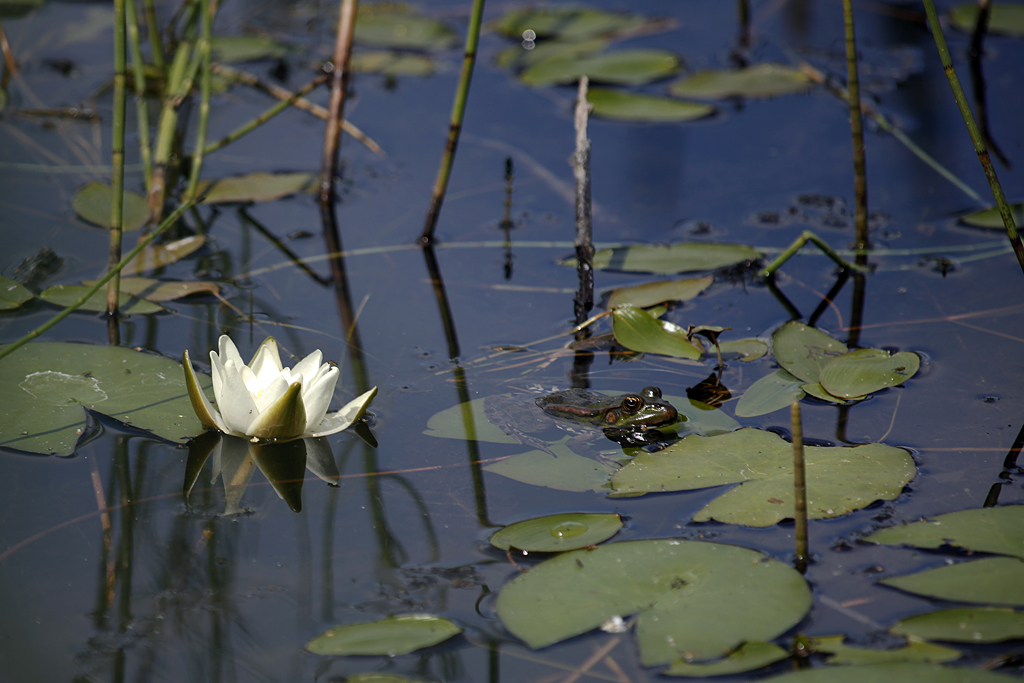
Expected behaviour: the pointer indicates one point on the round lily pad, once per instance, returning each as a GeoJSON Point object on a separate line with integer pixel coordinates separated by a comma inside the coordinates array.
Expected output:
{"type": "Point", "coordinates": [628, 106]}
{"type": "Point", "coordinates": [760, 80]}
{"type": "Point", "coordinates": [393, 636]}
{"type": "Point", "coordinates": [804, 351]}
{"type": "Point", "coordinates": [558, 533]}
{"type": "Point", "coordinates": [993, 580]}
{"type": "Point", "coordinates": [864, 371]}
{"type": "Point", "coordinates": [621, 67]}
{"type": "Point", "coordinates": [13, 293]}
{"type": "Point", "coordinates": [93, 203]}
{"type": "Point", "coordinates": [998, 530]}
{"type": "Point", "coordinates": [402, 30]}
{"type": "Point", "coordinates": [693, 600]}
{"type": "Point", "coordinates": [565, 23]}
{"type": "Point", "coordinates": [964, 625]}
{"type": "Point", "coordinates": [255, 187]}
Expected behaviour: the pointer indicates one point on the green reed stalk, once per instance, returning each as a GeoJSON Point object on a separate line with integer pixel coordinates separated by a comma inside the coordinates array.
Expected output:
{"type": "Point", "coordinates": [972, 129]}
{"type": "Point", "coordinates": [799, 490]}
{"type": "Point", "coordinates": [117, 162]}
{"type": "Point", "coordinates": [113, 272]}
{"type": "Point", "coordinates": [141, 107]}
{"type": "Point", "coordinates": [455, 126]}
{"type": "Point", "coordinates": [798, 244]}
{"type": "Point", "coordinates": [153, 31]}
{"type": "Point", "coordinates": [860, 181]}
{"type": "Point", "coordinates": [206, 11]}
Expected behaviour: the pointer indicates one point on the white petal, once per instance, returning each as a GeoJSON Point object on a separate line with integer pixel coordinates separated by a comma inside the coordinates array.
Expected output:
{"type": "Point", "coordinates": [309, 365]}
{"type": "Point", "coordinates": [207, 414]}
{"type": "Point", "coordinates": [228, 350]}
{"type": "Point", "coordinates": [316, 397]}
{"type": "Point", "coordinates": [266, 363]}
{"type": "Point", "coordinates": [342, 419]}
{"type": "Point", "coordinates": [252, 384]}
{"type": "Point", "coordinates": [271, 393]}
{"type": "Point", "coordinates": [236, 404]}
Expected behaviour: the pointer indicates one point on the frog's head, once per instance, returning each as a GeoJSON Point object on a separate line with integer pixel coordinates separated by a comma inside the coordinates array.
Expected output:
{"type": "Point", "coordinates": [646, 409]}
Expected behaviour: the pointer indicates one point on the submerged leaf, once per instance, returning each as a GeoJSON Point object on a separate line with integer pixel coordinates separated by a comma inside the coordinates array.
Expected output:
{"type": "Point", "coordinates": [671, 258]}
{"type": "Point", "coordinates": [255, 187]}
{"type": "Point", "coordinates": [566, 472]}
{"type": "Point", "coordinates": [804, 351]}
{"type": "Point", "coordinates": [93, 203]}
{"type": "Point", "coordinates": [964, 625]}
{"type": "Point", "coordinates": [558, 533]}
{"type": "Point", "coordinates": [627, 106]}
{"type": "Point", "coordinates": [392, 636]}
{"type": "Point", "coordinates": [993, 580]}
{"type": "Point", "coordinates": [1004, 17]}
{"type": "Point", "coordinates": [749, 656]}
{"type": "Point", "coordinates": [998, 530]}
{"type": "Point", "coordinates": [13, 293]}
{"type": "Point", "coordinates": [638, 330]}
{"type": "Point", "coordinates": [865, 371]}
{"type": "Point", "coordinates": [621, 67]}
{"type": "Point", "coordinates": [760, 80]}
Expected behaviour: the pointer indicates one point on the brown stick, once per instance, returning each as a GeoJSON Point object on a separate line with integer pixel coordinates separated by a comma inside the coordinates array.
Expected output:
{"type": "Point", "coordinates": [584, 225]}
{"type": "Point", "coordinates": [12, 65]}
{"type": "Point", "coordinates": [339, 82]}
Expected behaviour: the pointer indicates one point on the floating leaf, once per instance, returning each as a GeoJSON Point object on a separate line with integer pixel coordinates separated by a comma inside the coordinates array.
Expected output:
{"type": "Point", "coordinates": [671, 258]}
{"type": "Point", "coordinates": [621, 67]}
{"type": "Point", "coordinates": [93, 203]}
{"type": "Point", "coordinates": [745, 350]}
{"type": "Point", "coordinates": [749, 656]}
{"type": "Point", "coordinates": [558, 533]}
{"type": "Point", "coordinates": [839, 480]}
{"type": "Point", "coordinates": [44, 387]}
{"type": "Point", "coordinates": [652, 293]}
{"type": "Point", "coordinates": [804, 351]}
{"type": "Point", "coordinates": [518, 57]}
{"type": "Point", "coordinates": [393, 636]}
{"type": "Point", "coordinates": [911, 652]}
{"type": "Point", "coordinates": [864, 371]}
{"type": "Point", "coordinates": [13, 293]}
{"type": "Point", "coordinates": [770, 393]}
{"type": "Point", "coordinates": [407, 31]}
{"type": "Point", "coordinates": [255, 187]}
{"type": "Point", "coordinates": [685, 595]}
{"type": "Point", "coordinates": [162, 290]}
{"type": "Point", "coordinates": [626, 106]}
{"type": "Point", "coordinates": [998, 530]}
{"type": "Point", "coordinates": [994, 580]}
{"type": "Point", "coordinates": [568, 471]}
{"type": "Point", "coordinates": [964, 625]}
{"type": "Point", "coordinates": [894, 672]}
{"type": "Point", "coordinates": [161, 255]}
{"type": "Point", "coordinates": [638, 330]}
{"type": "Point", "coordinates": [1004, 17]}
{"type": "Point", "coordinates": [392, 63]}
{"type": "Point", "coordinates": [568, 24]}
{"type": "Point", "coordinates": [65, 295]}
{"type": "Point", "coordinates": [817, 391]}
{"type": "Point", "coordinates": [233, 49]}
{"type": "Point", "coordinates": [990, 218]}
{"type": "Point", "coordinates": [760, 80]}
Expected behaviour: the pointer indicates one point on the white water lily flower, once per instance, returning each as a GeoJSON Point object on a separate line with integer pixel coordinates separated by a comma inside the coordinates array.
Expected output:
{"type": "Point", "coordinates": [264, 400]}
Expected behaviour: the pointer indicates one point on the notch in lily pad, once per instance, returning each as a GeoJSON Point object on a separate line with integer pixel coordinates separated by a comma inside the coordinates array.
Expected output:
{"type": "Point", "coordinates": [558, 533]}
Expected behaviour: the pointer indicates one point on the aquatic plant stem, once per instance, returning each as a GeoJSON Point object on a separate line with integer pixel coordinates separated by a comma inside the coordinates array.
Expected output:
{"type": "Point", "coordinates": [860, 182]}
{"type": "Point", "coordinates": [455, 125]}
{"type": "Point", "coordinates": [972, 129]}
{"type": "Point", "coordinates": [207, 10]}
{"type": "Point", "coordinates": [975, 54]}
{"type": "Point", "coordinates": [804, 238]}
{"type": "Point", "coordinates": [339, 83]}
{"type": "Point", "coordinates": [117, 166]}
{"type": "Point", "coordinates": [153, 32]}
{"type": "Point", "coordinates": [12, 64]}
{"type": "Point", "coordinates": [145, 242]}
{"type": "Point", "coordinates": [584, 300]}
{"type": "Point", "coordinates": [799, 490]}
{"type": "Point", "coordinates": [141, 107]}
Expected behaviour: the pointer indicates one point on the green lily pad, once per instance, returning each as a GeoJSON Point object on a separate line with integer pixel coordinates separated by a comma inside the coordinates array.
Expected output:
{"type": "Point", "coordinates": [401, 30]}
{"type": "Point", "coordinates": [998, 530]}
{"type": "Point", "coordinates": [964, 625]}
{"type": "Point", "coordinates": [638, 330]}
{"type": "Point", "coordinates": [770, 393]}
{"type": "Point", "coordinates": [671, 258]}
{"type": "Point", "coordinates": [760, 80]}
{"type": "Point", "coordinates": [620, 67]}
{"type": "Point", "coordinates": [93, 203]}
{"type": "Point", "coordinates": [1004, 17]}
{"type": "Point", "coordinates": [255, 187]}
{"type": "Point", "coordinates": [162, 255]}
{"type": "Point", "coordinates": [817, 391]}
{"type": "Point", "coordinates": [893, 672]}
{"type": "Point", "coordinates": [568, 471]}
{"type": "Point", "coordinates": [993, 580]}
{"type": "Point", "coordinates": [685, 595]}
{"type": "Point", "coordinates": [911, 652]}
{"type": "Point", "coordinates": [804, 351]}
{"type": "Point", "coordinates": [865, 371]}
{"type": "Point", "coordinates": [643, 296]}
{"type": "Point", "coordinates": [65, 295]}
{"type": "Point", "coordinates": [44, 387]}
{"type": "Point", "coordinates": [990, 218]}
{"type": "Point", "coordinates": [162, 290]}
{"type": "Point", "coordinates": [518, 57]}
{"type": "Point", "coordinates": [749, 656]}
{"type": "Point", "coordinates": [234, 49]}
{"type": "Point", "coordinates": [569, 24]}
{"type": "Point", "coordinates": [558, 533]}
{"type": "Point", "coordinates": [392, 63]}
{"type": "Point", "coordinates": [839, 480]}
{"type": "Point", "coordinates": [393, 636]}
{"type": "Point", "coordinates": [627, 106]}
{"type": "Point", "coordinates": [13, 293]}
{"type": "Point", "coordinates": [744, 350]}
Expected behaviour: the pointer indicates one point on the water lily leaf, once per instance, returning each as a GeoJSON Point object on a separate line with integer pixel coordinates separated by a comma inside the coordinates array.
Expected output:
{"type": "Point", "coordinates": [760, 80]}
{"type": "Point", "coordinates": [378, 678]}
{"type": "Point", "coordinates": [233, 49]}
{"type": "Point", "coordinates": [998, 530]}
{"type": "Point", "coordinates": [911, 652]}
{"type": "Point", "coordinates": [255, 187]}
{"type": "Point", "coordinates": [450, 423]}
{"type": "Point", "coordinates": [393, 636]}
{"type": "Point", "coordinates": [804, 351]}
{"type": "Point", "coordinates": [1004, 17]}
{"type": "Point", "coordinates": [993, 580]}
{"type": "Point", "coordinates": [839, 480]}
{"type": "Point", "coordinates": [162, 290]}
{"type": "Point", "coordinates": [770, 393]}
{"type": "Point", "coordinates": [161, 255]}
{"type": "Point", "coordinates": [817, 391]}
{"type": "Point", "coordinates": [684, 594]}
{"type": "Point", "coordinates": [93, 202]}
{"type": "Point", "coordinates": [568, 24]}
{"type": "Point", "coordinates": [65, 295]}
{"type": "Point", "coordinates": [744, 350]}
{"type": "Point", "coordinates": [44, 387]}
{"type": "Point", "coordinates": [671, 258]}
{"type": "Point", "coordinates": [964, 625]}
{"type": "Point", "coordinates": [749, 656]}
{"type": "Point", "coordinates": [392, 63]}
{"type": "Point", "coordinates": [518, 57]}
{"type": "Point", "coordinates": [558, 533]}
{"type": "Point", "coordinates": [643, 296]}
{"type": "Point", "coordinates": [626, 106]}
{"type": "Point", "coordinates": [638, 330]}
{"type": "Point", "coordinates": [400, 30]}
{"type": "Point", "coordinates": [990, 218]}
{"type": "Point", "coordinates": [893, 672]}
{"type": "Point", "coordinates": [621, 67]}
{"type": "Point", "coordinates": [13, 293]}
{"type": "Point", "coordinates": [567, 472]}
{"type": "Point", "coordinates": [864, 371]}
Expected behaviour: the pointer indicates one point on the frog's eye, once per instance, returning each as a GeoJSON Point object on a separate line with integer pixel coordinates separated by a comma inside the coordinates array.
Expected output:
{"type": "Point", "coordinates": [632, 403]}
{"type": "Point", "coordinates": [651, 392]}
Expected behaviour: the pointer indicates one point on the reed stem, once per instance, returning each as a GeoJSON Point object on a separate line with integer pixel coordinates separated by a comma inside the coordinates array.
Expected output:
{"type": "Point", "coordinates": [339, 84]}
{"type": "Point", "coordinates": [799, 490]}
{"type": "Point", "coordinates": [207, 11]}
{"type": "Point", "coordinates": [153, 32]}
{"type": "Point", "coordinates": [117, 163]}
{"type": "Point", "coordinates": [141, 106]}
{"type": "Point", "coordinates": [584, 242]}
{"type": "Point", "coordinates": [860, 182]}
{"type": "Point", "coordinates": [798, 244]}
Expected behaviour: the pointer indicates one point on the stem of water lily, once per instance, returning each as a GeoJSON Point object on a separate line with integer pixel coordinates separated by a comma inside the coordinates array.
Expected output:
{"type": "Point", "coordinates": [799, 490]}
{"type": "Point", "coordinates": [804, 238]}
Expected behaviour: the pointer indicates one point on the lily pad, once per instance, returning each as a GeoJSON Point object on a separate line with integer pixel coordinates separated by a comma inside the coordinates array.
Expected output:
{"type": "Point", "coordinates": [770, 393]}
{"type": "Point", "coordinates": [392, 63]}
{"type": "Point", "coordinates": [1004, 17]}
{"type": "Point", "coordinates": [255, 187]}
{"type": "Point", "coordinates": [893, 672]}
{"type": "Point", "coordinates": [760, 80]}
{"type": "Point", "coordinates": [393, 636]}
{"type": "Point", "coordinates": [911, 652]}
{"type": "Point", "coordinates": [234, 49]}
{"type": "Point", "coordinates": [993, 580]}
{"type": "Point", "coordinates": [998, 530]}
{"type": "Point", "coordinates": [400, 30]}
{"type": "Point", "coordinates": [558, 533]}
{"type": "Point", "coordinates": [817, 391]}
{"type": "Point", "coordinates": [749, 656]}
{"type": "Point", "coordinates": [638, 330]}
{"type": "Point", "coordinates": [804, 351]}
{"type": "Point", "coordinates": [621, 67]}
{"type": "Point", "coordinates": [839, 480]}
{"type": "Point", "coordinates": [626, 106]}
{"type": "Point", "coordinates": [653, 293]}
{"type": "Point", "coordinates": [65, 295]}
{"type": "Point", "coordinates": [93, 203]}
{"type": "Point", "coordinates": [990, 218]}
{"type": "Point", "coordinates": [964, 625]}
{"type": "Point", "coordinates": [518, 57]}
{"type": "Point", "coordinates": [569, 24]}
{"type": "Point", "coordinates": [671, 258]}
{"type": "Point", "coordinates": [45, 387]}
{"type": "Point", "coordinates": [13, 293]}
{"type": "Point", "coordinates": [162, 255]}
{"type": "Point", "coordinates": [865, 371]}
{"type": "Point", "coordinates": [685, 594]}
{"type": "Point", "coordinates": [567, 471]}
{"type": "Point", "coordinates": [745, 350]}
{"type": "Point", "coordinates": [162, 290]}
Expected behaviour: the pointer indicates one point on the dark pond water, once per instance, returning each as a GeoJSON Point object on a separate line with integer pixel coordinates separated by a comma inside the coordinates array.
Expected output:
{"type": "Point", "coordinates": [178, 592]}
